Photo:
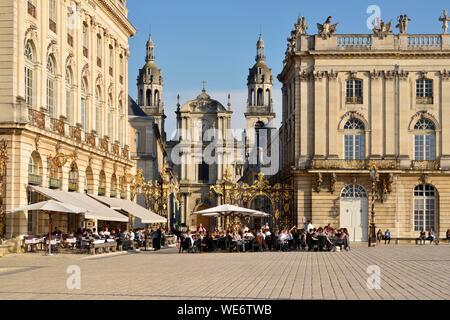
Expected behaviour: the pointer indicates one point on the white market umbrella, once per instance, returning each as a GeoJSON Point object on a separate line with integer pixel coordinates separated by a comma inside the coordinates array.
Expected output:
{"type": "Point", "coordinates": [230, 210]}
{"type": "Point", "coordinates": [50, 207]}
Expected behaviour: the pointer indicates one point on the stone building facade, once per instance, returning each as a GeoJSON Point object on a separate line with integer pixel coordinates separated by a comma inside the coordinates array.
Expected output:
{"type": "Point", "coordinates": [352, 103]}
{"type": "Point", "coordinates": [64, 101]}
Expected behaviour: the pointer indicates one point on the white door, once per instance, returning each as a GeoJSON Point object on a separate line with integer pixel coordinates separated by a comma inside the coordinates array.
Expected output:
{"type": "Point", "coordinates": [354, 212]}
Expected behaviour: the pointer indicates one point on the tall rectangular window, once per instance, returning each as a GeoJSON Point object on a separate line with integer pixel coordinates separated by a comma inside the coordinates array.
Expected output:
{"type": "Point", "coordinates": [85, 40]}
{"type": "Point", "coordinates": [424, 91]}
{"type": "Point", "coordinates": [354, 147]}
{"type": "Point", "coordinates": [354, 91]}
{"type": "Point", "coordinates": [28, 86]}
{"type": "Point", "coordinates": [424, 147]}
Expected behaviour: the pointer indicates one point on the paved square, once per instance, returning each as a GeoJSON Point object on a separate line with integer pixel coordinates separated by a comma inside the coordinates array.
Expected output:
{"type": "Point", "coordinates": [407, 272]}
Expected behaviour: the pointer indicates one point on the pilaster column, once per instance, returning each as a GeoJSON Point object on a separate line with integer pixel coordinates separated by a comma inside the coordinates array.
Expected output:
{"type": "Point", "coordinates": [404, 101]}
{"type": "Point", "coordinates": [320, 103]}
{"type": "Point", "coordinates": [332, 115]}
{"type": "Point", "coordinates": [390, 118]}
{"type": "Point", "coordinates": [376, 112]}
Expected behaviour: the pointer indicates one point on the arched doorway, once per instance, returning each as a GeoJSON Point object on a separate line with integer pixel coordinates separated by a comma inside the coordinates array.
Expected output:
{"type": "Point", "coordinates": [354, 212]}
{"type": "Point", "coordinates": [89, 181]}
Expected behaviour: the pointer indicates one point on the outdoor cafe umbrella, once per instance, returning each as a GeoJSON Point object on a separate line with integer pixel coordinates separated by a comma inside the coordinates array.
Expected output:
{"type": "Point", "coordinates": [50, 207]}
{"type": "Point", "coordinates": [228, 210]}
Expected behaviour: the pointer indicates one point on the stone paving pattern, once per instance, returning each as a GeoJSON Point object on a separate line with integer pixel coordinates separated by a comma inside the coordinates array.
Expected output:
{"type": "Point", "coordinates": [407, 272]}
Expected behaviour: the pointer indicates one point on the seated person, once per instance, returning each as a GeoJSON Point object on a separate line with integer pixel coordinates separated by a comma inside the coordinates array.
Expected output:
{"type": "Point", "coordinates": [238, 243]}
{"type": "Point", "coordinates": [431, 236]}
{"type": "Point", "coordinates": [422, 238]}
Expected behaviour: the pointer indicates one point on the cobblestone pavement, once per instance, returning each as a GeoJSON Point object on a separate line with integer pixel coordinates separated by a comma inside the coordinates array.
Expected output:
{"type": "Point", "coordinates": [407, 272]}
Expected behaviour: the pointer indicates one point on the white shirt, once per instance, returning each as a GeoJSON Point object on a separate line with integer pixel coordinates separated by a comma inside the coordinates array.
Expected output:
{"type": "Point", "coordinates": [310, 226]}
{"type": "Point", "coordinates": [131, 235]}
{"type": "Point", "coordinates": [283, 236]}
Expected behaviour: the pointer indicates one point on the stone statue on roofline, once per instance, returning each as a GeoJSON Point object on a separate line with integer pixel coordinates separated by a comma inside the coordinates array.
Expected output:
{"type": "Point", "coordinates": [327, 29]}
{"type": "Point", "coordinates": [300, 28]}
{"type": "Point", "coordinates": [444, 19]}
{"type": "Point", "coordinates": [382, 29]}
{"type": "Point", "coordinates": [403, 21]}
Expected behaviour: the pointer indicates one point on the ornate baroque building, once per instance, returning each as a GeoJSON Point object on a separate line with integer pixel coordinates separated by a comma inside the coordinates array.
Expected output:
{"type": "Point", "coordinates": [365, 118]}
{"type": "Point", "coordinates": [64, 100]}
{"type": "Point", "coordinates": [203, 126]}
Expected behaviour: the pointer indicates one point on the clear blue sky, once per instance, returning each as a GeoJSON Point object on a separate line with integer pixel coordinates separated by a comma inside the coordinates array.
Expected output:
{"type": "Point", "coordinates": [215, 40]}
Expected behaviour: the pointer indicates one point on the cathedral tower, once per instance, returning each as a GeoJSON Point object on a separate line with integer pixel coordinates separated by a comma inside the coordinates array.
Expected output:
{"type": "Point", "coordinates": [259, 113]}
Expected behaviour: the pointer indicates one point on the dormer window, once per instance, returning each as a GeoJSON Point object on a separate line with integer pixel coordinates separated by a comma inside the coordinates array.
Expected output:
{"type": "Point", "coordinates": [354, 91]}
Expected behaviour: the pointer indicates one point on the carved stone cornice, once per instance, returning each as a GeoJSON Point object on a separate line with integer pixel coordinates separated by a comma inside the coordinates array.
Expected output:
{"type": "Point", "coordinates": [390, 74]}
{"type": "Point", "coordinates": [403, 75]}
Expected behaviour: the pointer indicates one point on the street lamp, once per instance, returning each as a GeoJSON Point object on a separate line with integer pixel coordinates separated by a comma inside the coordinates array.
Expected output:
{"type": "Point", "coordinates": [372, 228]}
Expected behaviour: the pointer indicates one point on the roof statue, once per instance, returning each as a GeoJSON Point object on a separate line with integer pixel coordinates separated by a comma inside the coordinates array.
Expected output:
{"type": "Point", "coordinates": [403, 21]}
{"type": "Point", "coordinates": [300, 28]}
{"type": "Point", "coordinates": [327, 29]}
{"type": "Point", "coordinates": [444, 19]}
{"type": "Point", "coordinates": [382, 29]}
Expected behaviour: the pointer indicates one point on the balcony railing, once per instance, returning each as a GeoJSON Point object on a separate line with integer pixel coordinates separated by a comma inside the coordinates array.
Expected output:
{"type": "Point", "coordinates": [34, 179]}
{"type": "Point", "coordinates": [52, 25]}
{"type": "Point", "coordinates": [426, 165]}
{"type": "Point", "coordinates": [58, 126]}
{"type": "Point", "coordinates": [116, 149]}
{"type": "Point", "coordinates": [36, 118]}
{"type": "Point", "coordinates": [55, 183]}
{"type": "Point", "coordinates": [31, 9]}
{"type": "Point", "coordinates": [259, 109]}
{"type": "Point", "coordinates": [340, 164]}
{"type": "Point", "coordinates": [427, 41]}
{"type": "Point", "coordinates": [353, 41]}
{"type": "Point", "coordinates": [126, 152]}
{"type": "Point", "coordinates": [104, 144]}
{"type": "Point", "coordinates": [90, 139]}
{"type": "Point", "coordinates": [424, 100]}
{"type": "Point", "coordinates": [75, 133]}
{"type": "Point", "coordinates": [354, 100]}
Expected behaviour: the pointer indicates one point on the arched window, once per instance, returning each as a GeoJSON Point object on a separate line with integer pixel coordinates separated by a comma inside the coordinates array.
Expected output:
{"type": "Point", "coordinates": [354, 91]}
{"type": "Point", "coordinates": [424, 91]}
{"type": "Point", "coordinates": [102, 184]}
{"type": "Point", "coordinates": [35, 169]}
{"type": "Point", "coordinates": [29, 73]}
{"type": "Point", "coordinates": [268, 97]}
{"type": "Point", "coordinates": [69, 106]}
{"type": "Point", "coordinates": [251, 97]}
{"type": "Point", "coordinates": [89, 181]}
{"type": "Point", "coordinates": [260, 140]}
{"type": "Point", "coordinates": [149, 98]}
{"type": "Point", "coordinates": [141, 98]}
{"type": "Point", "coordinates": [111, 117]}
{"type": "Point", "coordinates": [156, 100]}
{"type": "Point", "coordinates": [424, 140]}
{"type": "Point", "coordinates": [113, 193]}
{"type": "Point", "coordinates": [354, 140]}
{"type": "Point", "coordinates": [73, 177]}
{"type": "Point", "coordinates": [98, 112]}
{"type": "Point", "coordinates": [83, 104]}
{"type": "Point", "coordinates": [259, 98]}
{"type": "Point", "coordinates": [353, 191]}
{"type": "Point", "coordinates": [424, 208]}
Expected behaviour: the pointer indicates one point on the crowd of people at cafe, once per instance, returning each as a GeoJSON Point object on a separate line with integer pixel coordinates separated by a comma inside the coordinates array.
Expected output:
{"type": "Point", "coordinates": [242, 239]}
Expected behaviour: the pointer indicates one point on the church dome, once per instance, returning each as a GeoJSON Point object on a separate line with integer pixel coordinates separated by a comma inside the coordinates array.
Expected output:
{"type": "Point", "coordinates": [260, 73]}
{"type": "Point", "coordinates": [203, 104]}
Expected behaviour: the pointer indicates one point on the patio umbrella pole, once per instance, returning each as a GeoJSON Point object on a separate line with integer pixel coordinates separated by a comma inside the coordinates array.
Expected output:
{"type": "Point", "coordinates": [49, 233]}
